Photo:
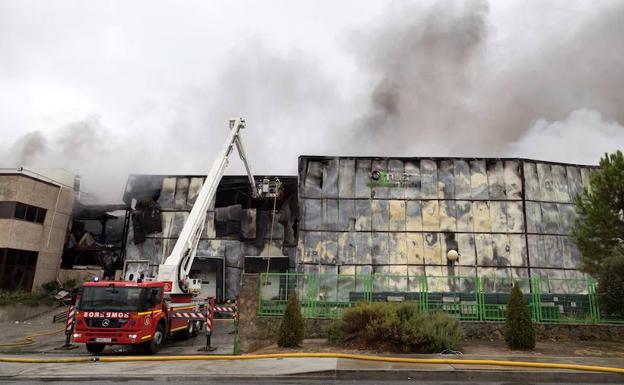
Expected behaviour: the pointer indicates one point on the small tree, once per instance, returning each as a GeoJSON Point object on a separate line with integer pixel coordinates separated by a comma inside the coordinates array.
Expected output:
{"type": "Point", "coordinates": [519, 332]}
{"type": "Point", "coordinates": [292, 328]}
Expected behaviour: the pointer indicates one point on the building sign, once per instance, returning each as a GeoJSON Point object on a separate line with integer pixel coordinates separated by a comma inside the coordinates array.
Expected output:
{"type": "Point", "coordinates": [385, 178]}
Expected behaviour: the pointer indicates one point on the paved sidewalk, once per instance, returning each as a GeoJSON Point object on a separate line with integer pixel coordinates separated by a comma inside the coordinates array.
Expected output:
{"type": "Point", "coordinates": [314, 368]}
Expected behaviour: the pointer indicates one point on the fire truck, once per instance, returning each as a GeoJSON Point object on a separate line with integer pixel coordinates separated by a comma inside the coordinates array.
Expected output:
{"type": "Point", "coordinates": [144, 310]}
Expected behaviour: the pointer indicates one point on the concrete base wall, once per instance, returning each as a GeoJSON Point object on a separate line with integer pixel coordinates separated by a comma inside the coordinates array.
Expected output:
{"type": "Point", "coordinates": [559, 332]}
{"type": "Point", "coordinates": [22, 312]}
{"type": "Point", "coordinates": [79, 276]}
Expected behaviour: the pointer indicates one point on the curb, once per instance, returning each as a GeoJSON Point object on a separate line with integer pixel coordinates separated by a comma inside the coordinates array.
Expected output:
{"type": "Point", "coordinates": [536, 377]}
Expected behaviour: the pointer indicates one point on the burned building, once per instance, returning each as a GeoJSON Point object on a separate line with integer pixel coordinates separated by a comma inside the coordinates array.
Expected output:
{"type": "Point", "coordinates": [241, 233]}
{"type": "Point", "coordinates": [504, 218]}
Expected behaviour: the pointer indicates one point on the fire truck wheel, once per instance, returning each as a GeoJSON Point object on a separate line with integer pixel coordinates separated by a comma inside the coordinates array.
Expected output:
{"type": "Point", "coordinates": [95, 348]}
{"type": "Point", "coordinates": [196, 328]}
{"type": "Point", "coordinates": [152, 346]}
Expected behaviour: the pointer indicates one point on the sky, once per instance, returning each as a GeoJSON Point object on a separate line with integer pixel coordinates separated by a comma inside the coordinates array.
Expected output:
{"type": "Point", "coordinates": [110, 88]}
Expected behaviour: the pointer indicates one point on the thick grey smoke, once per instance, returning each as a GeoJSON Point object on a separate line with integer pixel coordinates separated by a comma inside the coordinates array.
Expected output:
{"type": "Point", "coordinates": [438, 91]}
{"type": "Point", "coordinates": [418, 81]}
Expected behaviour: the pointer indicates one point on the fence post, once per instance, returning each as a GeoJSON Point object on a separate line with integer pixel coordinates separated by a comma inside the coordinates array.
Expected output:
{"type": "Point", "coordinates": [593, 301]}
{"type": "Point", "coordinates": [480, 299]}
{"type": "Point", "coordinates": [209, 326]}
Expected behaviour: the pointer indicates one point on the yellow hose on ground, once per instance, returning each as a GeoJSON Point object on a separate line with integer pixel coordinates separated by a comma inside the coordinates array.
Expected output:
{"type": "Point", "coordinates": [29, 339]}
{"type": "Point", "coordinates": [361, 357]}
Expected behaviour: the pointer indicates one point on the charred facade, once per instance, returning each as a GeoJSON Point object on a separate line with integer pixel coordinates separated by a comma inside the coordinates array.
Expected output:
{"type": "Point", "coordinates": [505, 217]}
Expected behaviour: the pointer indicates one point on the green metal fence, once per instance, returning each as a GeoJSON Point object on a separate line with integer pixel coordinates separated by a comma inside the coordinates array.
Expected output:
{"type": "Point", "coordinates": [552, 300]}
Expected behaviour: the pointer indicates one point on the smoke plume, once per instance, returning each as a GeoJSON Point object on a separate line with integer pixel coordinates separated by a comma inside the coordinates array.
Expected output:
{"type": "Point", "coordinates": [415, 80]}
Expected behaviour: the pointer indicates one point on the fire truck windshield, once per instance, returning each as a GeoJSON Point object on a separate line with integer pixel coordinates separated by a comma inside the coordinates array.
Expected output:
{"type": "Point", "coordinates": [111, 298]}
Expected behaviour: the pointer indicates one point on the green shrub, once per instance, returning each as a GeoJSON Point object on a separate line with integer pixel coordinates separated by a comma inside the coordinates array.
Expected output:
{"type": "Point", "coordinates": [396, 327]}
{"type": "Point", "coordinates": [69, 284]}
{"type": "Point", "coordinates": [292, 328]}
{"type": "Point", "coordinates": [519, 332]}
{"type": "Point", "coordinates": [49, 287]}
{"type": "Point", "coordinates": [25, 298]}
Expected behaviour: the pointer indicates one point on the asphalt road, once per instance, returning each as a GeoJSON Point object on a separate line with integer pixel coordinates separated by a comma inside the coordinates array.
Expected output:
{"type": "Point", "coordinates": [286, 381]}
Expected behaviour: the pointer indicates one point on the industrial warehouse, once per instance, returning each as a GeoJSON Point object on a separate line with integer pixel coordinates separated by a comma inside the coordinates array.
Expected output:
{"type": "Point", "coordinates": [492, 218]}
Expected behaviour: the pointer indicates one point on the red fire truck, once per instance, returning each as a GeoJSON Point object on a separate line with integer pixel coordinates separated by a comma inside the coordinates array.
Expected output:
{"type": "Point", "coordinates": [147, 310]}
{"type": "Point", "coordinates": [131, 313]}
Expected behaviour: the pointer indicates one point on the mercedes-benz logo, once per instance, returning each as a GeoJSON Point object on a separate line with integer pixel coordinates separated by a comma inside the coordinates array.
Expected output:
{"type": "Point", "coordinates": [106, 322]}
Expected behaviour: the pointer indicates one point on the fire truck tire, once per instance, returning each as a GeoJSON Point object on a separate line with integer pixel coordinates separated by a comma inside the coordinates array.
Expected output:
{"type": "Point", "coordinates": [197, 325]}
{"type": "Point", "coordinates": [152, 346]}
{"type": "Point", "coordinates": [95, 348]}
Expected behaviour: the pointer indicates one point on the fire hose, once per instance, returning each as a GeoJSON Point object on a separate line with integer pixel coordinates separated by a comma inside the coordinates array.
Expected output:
{"type": "Point", "coordinates": [361, 357]}
{"type": "Point", "coordinates": [29, 339]}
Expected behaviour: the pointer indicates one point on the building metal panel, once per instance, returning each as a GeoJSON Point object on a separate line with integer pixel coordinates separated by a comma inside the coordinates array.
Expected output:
{"type": "Point", "coordinates": [501, 250]}
{"type": "Point", "coordinates": [518, 254]}
{"type": "Point", "coordinates": [329, 255]}
{"type": "Point", "coordinates": [313, 174]}
{"type": "Point", "coordinates": [464, 216]}
{"type": "Point", "coordinates": [446, 180]}
{"type": "Point", "coordinates": [329, 187]}
{"type": "Point", "coordinates": [432, 250]}
{"type": "Point", "coordinates": [429, 179]}
{"type": "Point", "coordinates": [531, 182]}
{"type": "Point", "coordinates": [585, 177]}
{"type": "Point", "coordinates": [346, 179]}
{"type": "Point", "coordinates": [380, 248]}
{"type": "Point", "coordinates": [463, 189]}
{"type": "Point", "coordinates": [478, 179]}
{"type": "Point", "coordinates": [182, 186]}
{"type": "Point", "coordinates": [571, 254]}
{"type": "Point", "coordinates": [167, 193]}
{"type": "Point", "coordinates": [575, 182]}
{"type": "Point", "coordinates": [195, 185]}
{"type": "Point", "coordinates": [431, 215]}
{"type": "Point", "coordinates": [396, 170]}
{"type": "Point", "coordinates": [363, 215]}
{"type": "Point", "coordinates": [363, 248]}
{"type": "Point", "coordinates": [485, 254]}
{"type": "Point", "coordinates": [448, 242]}
{"type": "Point", "coordinates": [515, 219]}
{"type": "Point", "coordinates": [346, 215]}
{"type": "Point", "coordinates": [312, 219]}
{"type": "Point", "coordinates": [560, 183]}
{"type": "Point", "coordinates": [550, 218]}
{"type": "Point", "coordinates": [313, 246]}
{"type": "Point", "coordinates": [496, 179]}
{"type": "Point", "coordinates": [397, 248]}
{"type": "Point", "coordinates": [567, 216]}
{"type": "Point", "coordinates": [534, 217]}
{"type": "Point", "coordinates": [513, 180]}
{"type": "Point", "coordinates": [544, 175]}
{"type": "Point", "coordinates": [346, 248]}
{"type": "Point", "coordinates": [481, 216]}
{"type": "Point", "coordinates": [415, 248]}
{"type": "Point", "coordinates": [379, 192]}
{"type": "Point", "coordinates": [412, 171]}
{"type": "Point", "coordinates": [330, 214]}
{"type": "Point", "coordinates": [413, 216]}
{"type": "Point", "coordinates": [380, 215]}
{"type": "Point", "coordinates": [467, 253]}
{"type": "Point", "coordinates": [396, 215]}
{"type": "Point", "coordinates": [448, 213]}
{"type": "Point", "coordinates": [362, 178]}
{"type": "Point", "coordinates": [498, 216]}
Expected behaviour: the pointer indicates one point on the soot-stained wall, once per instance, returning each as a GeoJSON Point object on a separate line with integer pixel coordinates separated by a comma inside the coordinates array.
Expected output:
{"type": "Point", "coordinates": [506, 217]}
{"type": "Point", "coordinates": [236, 225]}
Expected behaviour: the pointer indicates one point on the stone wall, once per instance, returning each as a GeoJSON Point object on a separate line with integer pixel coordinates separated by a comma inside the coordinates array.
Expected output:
{"type": "Point", "coordinates": [256, 332]}
{"type": "Point", "coordinates": [557, 332]}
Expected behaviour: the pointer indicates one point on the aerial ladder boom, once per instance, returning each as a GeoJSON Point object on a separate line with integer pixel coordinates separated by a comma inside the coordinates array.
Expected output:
{"type": "Point", "coordinates": [178, 264]}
